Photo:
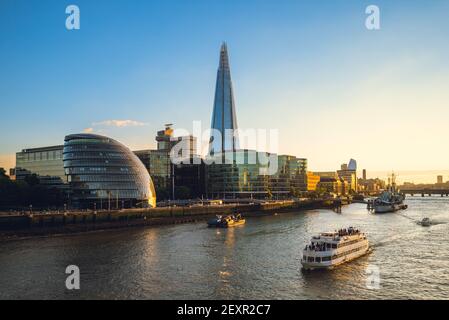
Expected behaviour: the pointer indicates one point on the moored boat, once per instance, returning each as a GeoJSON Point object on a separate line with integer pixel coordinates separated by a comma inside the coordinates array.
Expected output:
{"type": "Point", "coordinates": [425, 222]}
{"type": "Point", "coordinates": [330, 249]}
{"type": "Point", "coordinates": [226, 221]}
{"type": "Point", "coordinates": [391, 200]}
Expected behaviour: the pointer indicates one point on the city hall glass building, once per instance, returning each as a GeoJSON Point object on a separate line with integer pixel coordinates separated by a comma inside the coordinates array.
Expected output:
{"type": "Point", "coordinates": [104, 173]}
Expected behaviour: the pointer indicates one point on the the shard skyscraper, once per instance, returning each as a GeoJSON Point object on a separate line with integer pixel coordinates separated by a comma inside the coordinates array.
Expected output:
{"type": "Point", "coordinates": [224, 121]}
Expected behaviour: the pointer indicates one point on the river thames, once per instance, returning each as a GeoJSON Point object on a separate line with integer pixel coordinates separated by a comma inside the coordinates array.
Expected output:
{"type": "Point", "coordinates": [259, 260]}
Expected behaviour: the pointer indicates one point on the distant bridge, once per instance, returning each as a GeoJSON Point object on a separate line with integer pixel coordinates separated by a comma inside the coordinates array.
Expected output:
{"type": "Point", "coordinates": [424, 192]}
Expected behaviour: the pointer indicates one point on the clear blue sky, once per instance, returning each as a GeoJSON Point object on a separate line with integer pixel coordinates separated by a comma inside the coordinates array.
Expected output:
{"type": "Point", "coordinates": [309, 68]}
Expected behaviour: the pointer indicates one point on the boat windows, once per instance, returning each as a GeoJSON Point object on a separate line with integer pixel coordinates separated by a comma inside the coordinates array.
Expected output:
{"type": "Point", "coordinates": [336, 256]}
{"type": "Point", "coordinates": [344, 244]}
{"type": "Point", "coordinates": [334, 246]}
{"type": "Point", "coordinates": [318, 259]}
{"type": "Point", "coordinates": [326, 259]}
{"type": "Point", "coordinates": [310, 259]}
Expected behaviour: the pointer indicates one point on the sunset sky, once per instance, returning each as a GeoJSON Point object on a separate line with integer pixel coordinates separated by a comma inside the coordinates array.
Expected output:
{"type": "Point", "coordinates": [311, 69]}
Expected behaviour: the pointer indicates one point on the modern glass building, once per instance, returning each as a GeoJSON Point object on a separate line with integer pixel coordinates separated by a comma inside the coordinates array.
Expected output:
{"type": "Point", "coordinates": [348, 173]}
{"type": "Point", "coordinates": [104, 173]}
{"type": "Point", "coordinates": [239, 176]}
{"type": "Point", "coordinates": [352, 165]}
{"type": "Point", "coordinates": [232, 172]}
{"type": "Point", "coordinates": [224, 121]}
{"type": "Point", "coordinates": [159, 163]}
{"type": "Point", "coordinates": [45, 162]}
{"type": "Point", "coordinates": [247, 174]}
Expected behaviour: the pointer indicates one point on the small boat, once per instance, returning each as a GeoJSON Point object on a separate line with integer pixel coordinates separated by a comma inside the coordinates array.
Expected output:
{"type": "Point", "coordinates": [330, 249]}
{"type": "Point", "coordinates": [226, 222]}
{"type": "Point", "coordinates": [425, 222]}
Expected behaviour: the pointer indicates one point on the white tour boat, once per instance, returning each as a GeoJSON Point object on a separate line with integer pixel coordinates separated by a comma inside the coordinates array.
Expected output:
{"type": "Point", "coordinates": [330, 249]}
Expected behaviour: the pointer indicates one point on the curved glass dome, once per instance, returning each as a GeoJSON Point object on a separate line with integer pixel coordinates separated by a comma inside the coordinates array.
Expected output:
{"type": "Point", "coordinates": [105, 173]}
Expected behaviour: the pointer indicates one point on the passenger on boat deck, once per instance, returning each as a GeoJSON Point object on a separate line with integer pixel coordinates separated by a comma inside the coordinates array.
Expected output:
{"type": "Point", "coordinates": [316, 247]}
{"type": "Point", "coordinates": [348, 232]}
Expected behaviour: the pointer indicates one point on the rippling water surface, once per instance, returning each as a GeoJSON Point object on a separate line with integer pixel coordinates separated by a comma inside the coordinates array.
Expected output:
{"type": "Point", "coordinates": [260, 260]}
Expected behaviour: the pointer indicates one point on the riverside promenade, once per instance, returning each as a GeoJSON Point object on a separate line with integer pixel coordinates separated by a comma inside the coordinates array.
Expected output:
{"type": "Point", "coordinates": [39, 224]}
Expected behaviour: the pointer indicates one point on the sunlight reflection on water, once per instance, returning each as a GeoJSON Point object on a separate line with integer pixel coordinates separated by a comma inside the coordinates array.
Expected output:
{"type": "Point", "coordinates": [259, 260]}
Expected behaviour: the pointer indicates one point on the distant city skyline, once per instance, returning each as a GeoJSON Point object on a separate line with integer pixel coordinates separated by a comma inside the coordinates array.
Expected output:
{"type": "Point", "coordinates": [334, 89]}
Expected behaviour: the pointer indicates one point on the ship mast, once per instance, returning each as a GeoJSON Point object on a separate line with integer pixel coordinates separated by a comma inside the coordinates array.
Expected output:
{"type": "Point", "coordinates": [393, 182]}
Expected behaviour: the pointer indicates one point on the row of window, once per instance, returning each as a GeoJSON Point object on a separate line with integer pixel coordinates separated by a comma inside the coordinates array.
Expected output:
{"type": "Point", "coordinates": [40, 156]}
{"type": "Point", "coordinates": [94, 148]}
{"type": "Point", "coordinates": [112, 194]}
{"type": "Point", "coordinates": [329, 245]}
{"type": "Point", "coordinates": [105, 141]}
{"type": "Point", "coordinates": [93, 162]}
{"type": "Point", "coordinates": [93, 170]}
{"type": "Point", "coordinates": [104, 185]}
{"type": "Point", "coordinates": [104, 178]}
{"type": "Point", "coordinates": [340, 245]}
{"type": "Point", "coordinates": [335, 256]}
{"type": "Point", "coordinates": [318, 259]}
{"type": "Point", "coordinates": [94, 155]}
{"type": "Point", "coordinates": [345, 244]}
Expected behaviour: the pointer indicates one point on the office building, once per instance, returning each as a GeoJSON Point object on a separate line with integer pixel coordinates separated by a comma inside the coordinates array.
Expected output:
{"type": "Point", "coordinates": [189, 179]}
{"type": "Point", "coordinates": [333, 185]}
{"type": "Point", "coordinates": [253, 174]}
{"type": "Point", "coordinates": [238, 173]}
{"type": "Point", "coordinates": [44, 162]}
{"type": "Point", "coordinates": [369, 186]}
{"type": "Point", "coordinates": [312, 181]}
{"type": "Point", "coordinates": [326, 174]}
{"type": "Point", "coordinates": [160, 166]}
{"type": "Point", "coordinates": [238, 177]}
{"type": "Point", "coordinates": [224, 120]}
{"type": "Point", "coordinates": [348, 173]}
{"type": "Point", "coordinates": [166, 141]}
{"type": "Point", "coordinates": [350, 177]}
{"type": "Point", "coordinates": [352, 165]}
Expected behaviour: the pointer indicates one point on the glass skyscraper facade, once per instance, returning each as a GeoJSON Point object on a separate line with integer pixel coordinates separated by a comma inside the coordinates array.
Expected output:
{"type": "Point", "coordinates": [224, 121]}
{"type": "Point", "coordinates": [159, 163]}
{"type": "Point", "coordinates": [101, 170]}
{"type": "Point", "coordinates": [45, 162]}
{"type": "Point", "coordinates": [247, 175]}
{"type": "Point", "coordinates": [239, 178]}
{"type": "Point", "coordinates": [234, 172]}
